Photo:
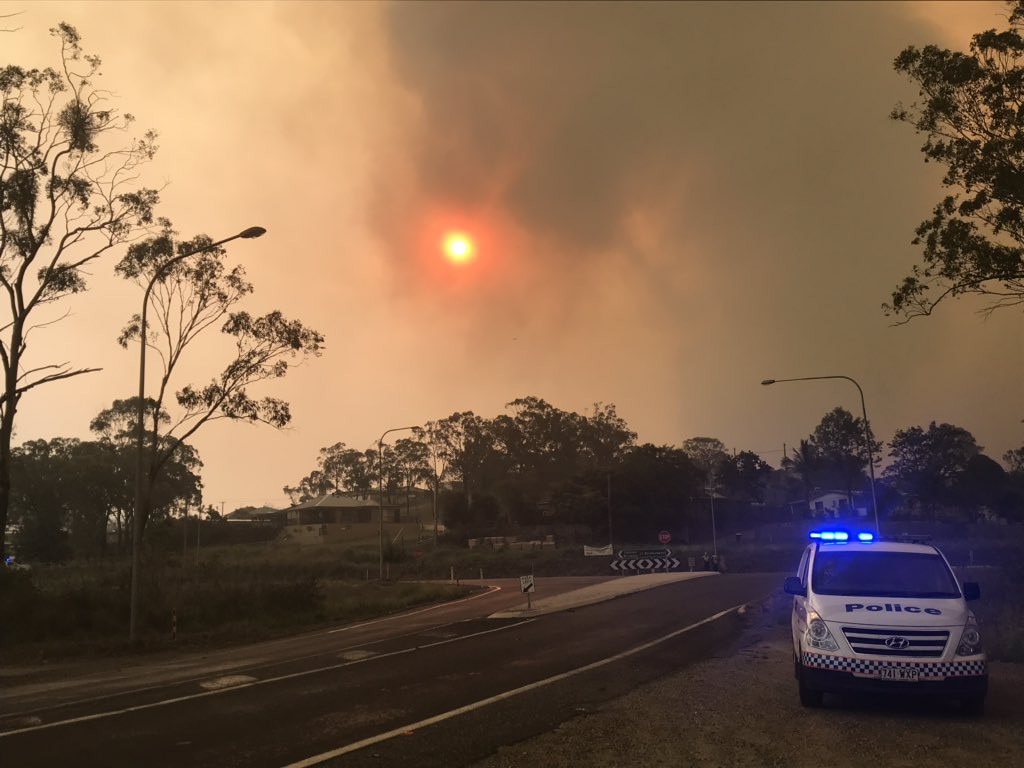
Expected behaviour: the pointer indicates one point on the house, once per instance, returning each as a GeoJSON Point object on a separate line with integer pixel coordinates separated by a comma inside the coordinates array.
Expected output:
{"type": "Point", "coordinates": [833, 504]}
{"type": "Point", "coordinates": [258, 515]}
{"type": "Point", "coordinates": [345, 510]}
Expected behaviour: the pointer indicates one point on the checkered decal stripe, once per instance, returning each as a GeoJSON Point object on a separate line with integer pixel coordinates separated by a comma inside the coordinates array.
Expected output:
{"type": "Point", "coordinates": [930, 670]}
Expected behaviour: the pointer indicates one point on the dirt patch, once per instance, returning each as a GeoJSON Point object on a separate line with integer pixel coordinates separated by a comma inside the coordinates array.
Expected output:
{"type": "Point", "coordinates": [741, 710]}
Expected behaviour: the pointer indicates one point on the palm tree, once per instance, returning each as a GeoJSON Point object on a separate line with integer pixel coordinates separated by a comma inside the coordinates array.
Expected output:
{"type": "Point", "coordinates": [804, 465]}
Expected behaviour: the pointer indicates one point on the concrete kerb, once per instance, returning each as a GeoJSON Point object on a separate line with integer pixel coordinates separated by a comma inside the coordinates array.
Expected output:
{"type": "Point", "coordinates": [596, 593]}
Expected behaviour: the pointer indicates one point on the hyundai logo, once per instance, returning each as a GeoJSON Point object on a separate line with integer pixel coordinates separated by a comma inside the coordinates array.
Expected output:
{"type": "Point", "coordinates": [896, 643]}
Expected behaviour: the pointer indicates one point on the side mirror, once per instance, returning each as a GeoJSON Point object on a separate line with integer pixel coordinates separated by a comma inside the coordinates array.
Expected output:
{"type": "Point", "coordinates": [792, 586]}
{"type": "Point", "coordinates": [971, 590]}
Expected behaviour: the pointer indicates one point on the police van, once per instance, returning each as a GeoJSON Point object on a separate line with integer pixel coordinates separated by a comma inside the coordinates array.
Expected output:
{"type": "Point", "coordinates": [884, 616]}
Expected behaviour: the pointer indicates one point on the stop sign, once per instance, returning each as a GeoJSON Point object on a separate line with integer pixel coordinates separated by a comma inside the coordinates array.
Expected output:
{"type": "Point", "coordinates": [664, 537]}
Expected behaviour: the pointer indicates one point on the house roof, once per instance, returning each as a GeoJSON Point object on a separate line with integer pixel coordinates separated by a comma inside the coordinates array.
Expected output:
{"type": "Point", "coordinates": [332, 501]}
{"type": "Point", "coordinates": [248, 514]}
{"type": "Point", "coordinates": [857, 495]}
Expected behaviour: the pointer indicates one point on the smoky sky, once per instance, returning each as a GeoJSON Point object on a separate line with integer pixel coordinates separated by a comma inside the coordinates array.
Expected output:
{"type": "Point", "coordinates": [673, 149]}
{"type": "Point", "coordinates": [672, 202]}
{"type": "Point", "coordinates": [699, 191]}
{"type": "Point", "coordinates": [572, 116]}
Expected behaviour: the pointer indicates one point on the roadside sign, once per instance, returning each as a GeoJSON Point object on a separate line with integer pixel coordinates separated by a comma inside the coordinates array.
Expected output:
{"type": "Point", "coordinates": [640, 554]}
{"type": "Point", "coordinates": [526, 583]}
{"type": "Point", "coordinates": [646, 564]}
{"type": "Point", "coordinates": [664, 537]}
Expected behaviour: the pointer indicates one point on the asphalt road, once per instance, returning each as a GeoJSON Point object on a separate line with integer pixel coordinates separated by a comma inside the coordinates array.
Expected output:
{"type": "Point", "coordinates": [439, 687]}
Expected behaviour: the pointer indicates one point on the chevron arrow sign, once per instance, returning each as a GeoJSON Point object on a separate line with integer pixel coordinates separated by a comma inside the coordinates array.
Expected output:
{"type": "Point", "coordinates": [645, 564]}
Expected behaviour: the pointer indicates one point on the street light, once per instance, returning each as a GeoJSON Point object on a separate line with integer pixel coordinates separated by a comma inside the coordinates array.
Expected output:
{"type": "Point", "coordinates": [867, 432]}
{"type": "Point", "coordinates": [246, 234]}
{"type": "Point", "coordinates": [380, 497]}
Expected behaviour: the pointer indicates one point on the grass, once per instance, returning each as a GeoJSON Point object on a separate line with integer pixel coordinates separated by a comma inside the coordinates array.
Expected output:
{"type": "Point", "coordinates": [254, 591]}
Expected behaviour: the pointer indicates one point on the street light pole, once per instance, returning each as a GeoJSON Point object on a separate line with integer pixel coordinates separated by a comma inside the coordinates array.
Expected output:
{"type": "Point", "coordinates": [714, 534]}
{"type": "Point", "coordinates": [867, 432]}
{"type": "Point", "coordinates": [141, 500]}
{"type": "Point", "coordinates": [380, 497]}
{"type": "Point", "coordinates": [609, 511]}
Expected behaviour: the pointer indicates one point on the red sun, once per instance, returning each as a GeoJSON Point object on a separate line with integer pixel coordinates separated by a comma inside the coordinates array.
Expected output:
{"type": "Point", "coordinates": [458, 248]}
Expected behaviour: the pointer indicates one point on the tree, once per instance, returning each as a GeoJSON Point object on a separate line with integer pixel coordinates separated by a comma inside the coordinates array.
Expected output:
{"type": "Point", "coordinates": [312, 486]}
{"type": "Point", "coordinates": [464, 441]}
{"type": "Point", "coordinates": [67, 196]}
{"type": "Point", "coordinates": [970, 114]}
{"type": "Point", "coordinates": [745, 476]}
{"type": "Point", "coordinates": [606, 436]}
{"type": "Point", "coordinates": [188, 298]}
{"type": "Point", "coordinates": [176, 488]}
{"type": "Point", "coordinates": [190, 295]}
{"type": "Point", "coordinates": [412, 464]}
{"type": "Point", "coordinates": [654, 487]}
{"type": "Point", "coordinates": [838, 442]}
{"type": "Point", "coordinates": [981, 484]}
{"type": "Point", "coordinates": [805, 465]}
{"type": "Point", "coordinates": [67, 492]}
{"type": "Point", "coordinates": [1015, 461]}
{"type": "Point", "coordinates": [38, 503]}
{"type": "Point", "coordinates": [709, 454]}
{"type": "Point", "coordinates": [927, 463]}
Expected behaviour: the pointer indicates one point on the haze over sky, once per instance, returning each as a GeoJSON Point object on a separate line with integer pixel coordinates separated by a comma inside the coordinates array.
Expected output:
{"type": "Point", "coordinates": [670, 203]}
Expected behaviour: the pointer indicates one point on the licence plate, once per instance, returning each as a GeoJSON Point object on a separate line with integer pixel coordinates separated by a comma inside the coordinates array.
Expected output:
{"type": "Point", "coordinates": [906, 674]}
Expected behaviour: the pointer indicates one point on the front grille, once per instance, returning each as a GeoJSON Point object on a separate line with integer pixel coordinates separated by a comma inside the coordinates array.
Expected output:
{"type": "Point", "coordinates": [920, 643]}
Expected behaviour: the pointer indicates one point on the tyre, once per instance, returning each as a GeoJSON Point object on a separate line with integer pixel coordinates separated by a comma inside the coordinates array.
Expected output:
{"type": "Point", "coordinates": [808, 696]}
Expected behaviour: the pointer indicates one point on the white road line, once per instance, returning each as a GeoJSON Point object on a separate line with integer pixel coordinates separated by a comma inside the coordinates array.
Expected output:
{"type": "Point", "coordinates": [490, 589]}
{"type": "Point", "coordinates": [355, 746]}
{"type": "Point", "coordinates": [292, 676]}
{"type": "Point", "coordinates": [276, 662]}
{"type": "Point", "coordinates": [228, 681]}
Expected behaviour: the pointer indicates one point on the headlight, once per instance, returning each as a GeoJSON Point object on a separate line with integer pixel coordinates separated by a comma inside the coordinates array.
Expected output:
{"type": "Point", "coordinates": [970, 641]}
{"type": "Point", "coordinates": [818, 634]}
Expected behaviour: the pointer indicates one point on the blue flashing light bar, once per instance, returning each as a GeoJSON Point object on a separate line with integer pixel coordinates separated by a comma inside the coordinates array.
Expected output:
{"type": "Point", "coordinates": [830, 535]}
{"type": "Point", "coordinates": [863, 536]}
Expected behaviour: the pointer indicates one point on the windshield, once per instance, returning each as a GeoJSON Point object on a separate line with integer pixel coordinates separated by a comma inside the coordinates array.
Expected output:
{"type": "Point", "coordinates": [882, 574]}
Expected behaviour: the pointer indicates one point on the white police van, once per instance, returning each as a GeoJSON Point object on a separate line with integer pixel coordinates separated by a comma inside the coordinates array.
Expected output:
{"type": "Point", "coordinates": [884, 616]}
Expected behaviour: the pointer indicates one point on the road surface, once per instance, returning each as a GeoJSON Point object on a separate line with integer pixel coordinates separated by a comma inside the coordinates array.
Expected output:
{"type": "Point", "coordinates": [443, 686]}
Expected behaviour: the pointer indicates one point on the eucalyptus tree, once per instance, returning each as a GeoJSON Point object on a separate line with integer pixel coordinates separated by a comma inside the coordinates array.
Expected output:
{"type": "Point", "coordinates": [464, 442]}
{"type": "Point", "coordinates": [969, 111]}
{"type": "Point", "coordinates": [1014, 459]}
{"type": "Point", "coordinates": [412, 459]}
{"type": "Point", "coordinates": [188, 298]}
{"type": "Point", "coordinates": [68, 492]}
{"type": "Point", "coordinates": [709, 454]}
{"type": "Point", "coordinates": [339, 468]}
{"type": "Point", "coordinates": [312, 486]}
{"type": "Point", "coordinates": [68, 195]}
{"type": "Point", "coordinates": [606, 437]}
{"type": "Point", "coordinates": [176, 489]}
{"type": "Point", "coordinates": [436, 459]}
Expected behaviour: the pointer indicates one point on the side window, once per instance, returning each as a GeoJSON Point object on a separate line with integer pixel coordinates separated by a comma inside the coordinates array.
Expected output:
{"type": "Point", "coordinates": [802, 570]}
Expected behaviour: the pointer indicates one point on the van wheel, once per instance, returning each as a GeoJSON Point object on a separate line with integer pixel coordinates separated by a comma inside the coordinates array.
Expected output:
{"type": "Point", "coordinates": [973, 706]}
{"type": "Point", "coordinates": [808, 696]}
